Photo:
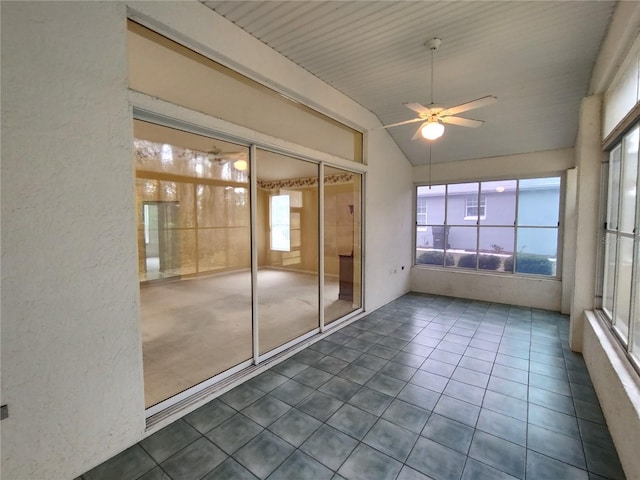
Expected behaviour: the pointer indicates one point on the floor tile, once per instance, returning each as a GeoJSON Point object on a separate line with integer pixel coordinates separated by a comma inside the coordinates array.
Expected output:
{"type": "Point", "coordinates": [292, 392]}
{"type": "Point", "coordinates": [386, 384]}
{"type": "Point", "coordinates": [439, 368]}
{"type": "Point", "coordinates": [289, 368]}
{"type": "Point", "coordinates": [508, 387]}
{"type": "Point", "coordinates": [301, 466]}
{"type": "Point", "coordinates": [131, 463]}
{"type": "Point", "coordinates": [502, 426]}
{"type": "Point", "coordinates": [370, 361]}
{"type": "Point", "coordinates": [464, 391]}
{"type": "Point", "coordinates": [263, 454]}
{"type": "Point", "coordinates": [365, 463]}
{"type": "Point", "coordinates": [541, 466]}
{"type": "Point", "coordinates": [435, 460]}
{"type": "Point", "coordinates": [399, 371]}
{"type": "Point", "coordinates": [194, 461]}
{"type": "Point", "coordinates": [449, 433]}
{"type": "Point", "coordinates": [267, 381]}
{"type": "Point", "coordinates": [603, 461]}
{"type": "Point", "coordinates": [408, 473]}
{"type": "Point", "coordinates": [164, 443]}
{"type": "Point", "coordinates": [352, 421]}
{"type": "Point", "coordinates": [329, 446]}
{"type": "Point", "coordinates": [409, 359]}
{"type": "Point", "coordinates": [554, 421]}
{"type": "Point", "coordinates": [346, 354]}
{"type": "Point", "coordinates": [406, 415]}
{"type": "Point", "coordinates": [429, 380]}
{"type": "Point", "coordinates": [510, 406]}
{"type": "Point", "coordinates": [371, 401]}
{"type": "Point", "coordinates": [234, 433]}
{"type": "Point", "coordinates": [419, 396]}
{"type": "Point", "coordinates": [319, 405]}
{"type": "Point", "coordinates": [391, 439]}
{"type": "Point", "coordinates": [551, 400]}
{"type": "Point", "coordinates": [556, 445]}
{"type": "Point", "coordinates": [498, 453]}
{"type": "Point", "coordinates": [475, 470]}
{"type": "Point", "coordinates": [209, 416]}
{"type": "Point", "coordinates": [230, 470]}
{"type": "Point", "coordinates": [471, 377]}
{"type": "Point", "coordinates": [357, 374]}
{"type": "Point", "coordinates": [494, 393]}
{"type": "Point", "coordinates": [295, 427]}
{"type": "Point", "coordinates": [340, 388]}
{"type": "Point", "coordinates": [154, 474]}
{"type": "Point", "coordinates": [331, 364]}
{"type": "Point", "coordinates": [266, 410]}
{"type": "Point", "coordinates": [458, 410]}
{"type": "Point", "coordinates": [312, 377]}
{"type": "Point", "coordinates": [241, 396]}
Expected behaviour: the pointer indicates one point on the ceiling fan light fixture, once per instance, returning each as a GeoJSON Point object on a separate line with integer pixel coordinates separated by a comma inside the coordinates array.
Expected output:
{"type": "Point", "coordinates": [432, 130]}
{"type": "Point", "coordinates": [240, 165]}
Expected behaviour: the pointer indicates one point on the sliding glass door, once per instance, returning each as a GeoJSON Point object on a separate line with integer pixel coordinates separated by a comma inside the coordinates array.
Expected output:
{"type": "Point", "coordinates": [342, 243]}
{"type": "Point", "coordinates": [287, 243]}
{"type": "Point", "coordinates": [194, 257]}
{"type": "Point", "coordinates": [228, 279]}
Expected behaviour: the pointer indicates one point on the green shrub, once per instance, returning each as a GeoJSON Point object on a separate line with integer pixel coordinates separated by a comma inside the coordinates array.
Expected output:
{"type": "Point", "coordinates": [530, 263]}
{"type": "Point", "coordinates": [467, 261]}
{"type": "Point", "coordinates": [434, 258]}
{"type": "Point", "coordinates": [489, 262]}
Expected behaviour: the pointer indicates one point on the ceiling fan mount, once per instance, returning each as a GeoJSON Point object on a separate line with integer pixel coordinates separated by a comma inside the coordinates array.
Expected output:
{"type": "Point", "coordinates": [432, 117]}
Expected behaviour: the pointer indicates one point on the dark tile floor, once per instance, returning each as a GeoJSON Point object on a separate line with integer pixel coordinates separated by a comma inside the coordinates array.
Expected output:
{"type": "Point", "coordinates": [426, 387]}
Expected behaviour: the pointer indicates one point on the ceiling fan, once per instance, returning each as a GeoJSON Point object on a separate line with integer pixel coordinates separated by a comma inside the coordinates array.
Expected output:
{"type": "Point", "coordinates": [434, 117]}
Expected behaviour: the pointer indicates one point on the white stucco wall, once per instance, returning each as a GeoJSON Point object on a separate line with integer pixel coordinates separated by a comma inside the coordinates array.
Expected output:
{"type": "Point", "coordinates": [618, 388]}
{"type": "Point", "coordinates": [585, 234]}
{"type": "Point", "coordinates": [71, 344]}
{"type": "Point", "coordinates": [71, 349]}
{"type": "Point", "coordinates": [535, 292]}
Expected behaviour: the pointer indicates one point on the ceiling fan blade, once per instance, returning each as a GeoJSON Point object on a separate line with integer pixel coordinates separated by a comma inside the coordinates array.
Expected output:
{"type": "Point", "coordinates": [413, 120]}
{"type": "Point", "coordinates": [418, 108]}
{"type": "Point", "coordinates": [463, 122]}
{"type": "Point", "coordinates": [477, 103]}
{"type": "Point", "coordinates": [418, 134]}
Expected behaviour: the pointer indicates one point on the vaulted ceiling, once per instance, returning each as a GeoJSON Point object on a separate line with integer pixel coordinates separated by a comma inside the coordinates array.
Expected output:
{"type": "Point", "coordinates": [536, 57]}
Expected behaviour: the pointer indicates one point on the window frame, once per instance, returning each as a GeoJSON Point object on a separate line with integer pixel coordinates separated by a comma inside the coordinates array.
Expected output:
{"type": "Point", "coordinates": [611, 232]}
{"type": "Point", "coordinates": [481, 199]}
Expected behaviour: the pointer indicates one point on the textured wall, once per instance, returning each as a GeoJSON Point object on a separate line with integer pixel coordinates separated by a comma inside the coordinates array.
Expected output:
{"type": "Point", "coordinates": [71, 351]}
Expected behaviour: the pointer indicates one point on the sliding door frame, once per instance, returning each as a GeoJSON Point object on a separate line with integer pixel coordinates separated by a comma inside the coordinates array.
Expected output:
{"type": "Point", "coordinates": [156, 111]}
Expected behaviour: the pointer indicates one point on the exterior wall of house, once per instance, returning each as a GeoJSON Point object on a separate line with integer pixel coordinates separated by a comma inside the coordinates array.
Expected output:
{"type": "Point", "coordinates": [546, 293]}
{"type": "Point", "coordinates": [71, 341]}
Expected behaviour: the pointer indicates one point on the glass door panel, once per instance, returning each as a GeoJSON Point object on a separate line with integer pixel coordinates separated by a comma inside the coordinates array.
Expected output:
{"type": "Point", "coordinates": [287, 243]}
{"type": "Point", "coordinates": [342, 243]}
{"type": "Point", "coordinates": [194, 250]}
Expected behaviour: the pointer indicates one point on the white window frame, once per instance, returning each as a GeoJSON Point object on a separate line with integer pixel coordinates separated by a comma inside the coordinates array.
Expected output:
{"type": "Point", "coordinates": [472, 202]}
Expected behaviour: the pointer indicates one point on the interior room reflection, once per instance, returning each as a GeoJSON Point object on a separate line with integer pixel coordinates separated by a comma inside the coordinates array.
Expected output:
{"type": "Point", "coordinates": [194, 261]}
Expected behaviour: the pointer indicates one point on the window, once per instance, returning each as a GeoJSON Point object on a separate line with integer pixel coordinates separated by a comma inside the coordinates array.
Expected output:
{"type": "Point", "coordinates": [280, 223]}
{"type": "Point", "coordinates": [621, 252]}
{"type": "Point", "coordinates": [421, 214]}
{"type": "Point", "coordinates": [518, 235]}
{"type": "Point", "coordinates": [473, 208]}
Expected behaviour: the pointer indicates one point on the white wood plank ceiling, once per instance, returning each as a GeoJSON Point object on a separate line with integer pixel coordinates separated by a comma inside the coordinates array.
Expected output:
{"type": "Point", "coordinates": [536, 57]}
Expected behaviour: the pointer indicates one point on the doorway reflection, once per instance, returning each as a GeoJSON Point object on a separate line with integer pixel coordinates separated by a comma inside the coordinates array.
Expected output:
{"type": "Point", "coordinates": [342, 243]}
{"type": "Point", "coordinates": [287, 243]}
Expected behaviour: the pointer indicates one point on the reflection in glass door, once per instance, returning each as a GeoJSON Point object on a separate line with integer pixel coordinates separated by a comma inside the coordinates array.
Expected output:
{"type": "Point", "coordinates": [287, 244]}
{"type": "Point", "coordinates": [194, 247]}
{"type": "Point", "coordinates": [342, 243]}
